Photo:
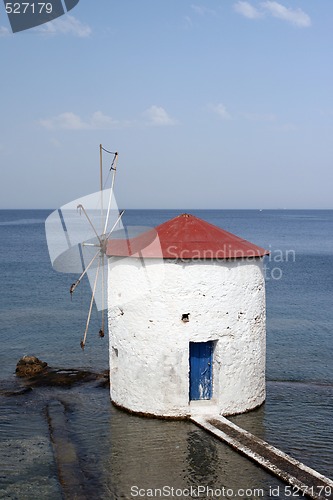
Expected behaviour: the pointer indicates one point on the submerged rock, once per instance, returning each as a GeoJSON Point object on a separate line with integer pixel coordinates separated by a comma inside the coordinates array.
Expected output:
{"type": "Point", "coordinates": [38, 373]}
{"type": "Point", "coordinates": [62, 377]}
{"type": "Point", "coordinates": [14, 390]}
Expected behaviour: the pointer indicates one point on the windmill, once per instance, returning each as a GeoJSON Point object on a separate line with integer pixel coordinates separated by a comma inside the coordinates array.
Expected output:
{"type": "Point", "coordinates": [77, 235]}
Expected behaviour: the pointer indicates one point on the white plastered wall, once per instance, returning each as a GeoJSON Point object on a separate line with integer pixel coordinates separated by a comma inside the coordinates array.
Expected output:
{"type": "Point", "coordinates": [149, 343]}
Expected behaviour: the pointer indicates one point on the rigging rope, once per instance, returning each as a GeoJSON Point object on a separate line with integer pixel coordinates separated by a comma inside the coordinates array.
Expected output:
{"type": "Point", "coordinates": [110, 152]}
{"type": "Point", "coordinates": [111, 167]}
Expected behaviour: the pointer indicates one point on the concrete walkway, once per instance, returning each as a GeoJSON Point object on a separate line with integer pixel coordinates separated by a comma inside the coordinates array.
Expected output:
{"type": "Point", "coordinates": [310, 482]}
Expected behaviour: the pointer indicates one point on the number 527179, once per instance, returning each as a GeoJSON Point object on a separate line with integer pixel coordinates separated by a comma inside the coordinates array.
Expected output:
{"type": "Point", "coordinates": [28, 8]}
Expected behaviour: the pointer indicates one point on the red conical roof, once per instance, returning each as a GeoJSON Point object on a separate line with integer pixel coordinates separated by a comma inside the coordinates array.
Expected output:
{"type": "Point", "coordinates": [186, 237]}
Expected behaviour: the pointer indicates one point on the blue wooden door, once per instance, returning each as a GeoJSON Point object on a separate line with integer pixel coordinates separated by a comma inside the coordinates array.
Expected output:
{"type": "Point", "coordinates": [201, 370]}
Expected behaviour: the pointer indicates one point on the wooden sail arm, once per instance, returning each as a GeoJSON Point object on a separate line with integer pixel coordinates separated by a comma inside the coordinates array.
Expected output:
{"type": "Point", "coordinates": [83, 341]}
{"type": "Point", "coordinates": [114, 225]}
{"type": "Point", "coordinates": [81, 208]}
{"type": "Point", "coordinates": [78, 281]}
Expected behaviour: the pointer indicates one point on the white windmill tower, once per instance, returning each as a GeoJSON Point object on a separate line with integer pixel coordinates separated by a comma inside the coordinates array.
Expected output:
{"type": "Point", "coordinates": [186, 306]}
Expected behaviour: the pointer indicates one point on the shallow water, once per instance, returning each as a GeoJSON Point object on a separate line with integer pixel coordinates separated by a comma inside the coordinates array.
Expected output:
{"type": "Point", "coordinates": [118, 451]}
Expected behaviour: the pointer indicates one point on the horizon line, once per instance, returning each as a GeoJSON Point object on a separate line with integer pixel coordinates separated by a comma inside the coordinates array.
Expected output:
{"type": "Point", "coordinates": [184, 208]}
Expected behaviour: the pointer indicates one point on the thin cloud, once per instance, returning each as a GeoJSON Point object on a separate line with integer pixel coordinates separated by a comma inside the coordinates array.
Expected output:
{"type": "Point", "coordinates": [68, 121]}
{"type": "Point", "coordinates": [294, 16]}
{"type": "Point", "coordinates": [198, 10]}
{"type": "Point", "coordinates": [157, 116]}
{"type": "Point", "coordinates": [297, 17]}
{"type": "Point", "coordinates": [101, 121]}
{"type": "Point", "coordinates": [56, 143]}
{"type": "Point", "coordinates": [220, 110]}
{"type": "Point", "coordinates": [66, 25]}
{"type": "Point", "coordinates": [188, 22]}
{"type": "Point", "coordinates": [247, 10]}
{"type": "Point", "coordinates": [201, 10]}
{"type": "Point", "coordinates": [288, 127]}
{"type": "Point", "coordinates": [71, 121]}
{"type": "Point", "coordinates": [259, 117]}
{"type": "Point", "coordinates": [4, 31]}
{"type": "Point", "coordinates": [154, 116]}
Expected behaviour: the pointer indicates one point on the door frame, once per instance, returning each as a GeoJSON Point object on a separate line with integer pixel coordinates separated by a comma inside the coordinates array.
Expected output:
{"type": "Point", "coordinates": [196, 370]}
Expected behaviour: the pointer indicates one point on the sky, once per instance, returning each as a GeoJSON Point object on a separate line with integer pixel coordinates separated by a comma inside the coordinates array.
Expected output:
{"type": "Point", "coordinates": [215, 104]}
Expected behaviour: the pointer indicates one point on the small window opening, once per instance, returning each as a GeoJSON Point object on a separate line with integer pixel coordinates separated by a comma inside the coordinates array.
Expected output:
{"type": "Point", "coordinates": [186, 317]}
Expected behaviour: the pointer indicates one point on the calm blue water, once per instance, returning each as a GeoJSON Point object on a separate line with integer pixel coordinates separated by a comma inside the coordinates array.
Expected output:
{"type": "Point", "coordinates": [118, 450]}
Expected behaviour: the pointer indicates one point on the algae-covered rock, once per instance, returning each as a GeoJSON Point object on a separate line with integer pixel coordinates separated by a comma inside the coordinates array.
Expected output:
{"type": "Point", "coordinates": [38, 373]}
{"type": "Point", "coordinates": [30, 366]}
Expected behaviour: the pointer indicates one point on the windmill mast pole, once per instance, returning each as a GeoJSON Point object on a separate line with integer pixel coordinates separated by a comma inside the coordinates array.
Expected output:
{"type": "Point", "coordinates": [101, 332]}
{"type": "Point", "coordinates": [101, 178]}
{"type": "Point", "coordinates": [101, 165]}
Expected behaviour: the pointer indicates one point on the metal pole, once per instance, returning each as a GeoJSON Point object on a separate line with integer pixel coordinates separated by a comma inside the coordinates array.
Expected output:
{"type": "Point", "coordinates": [83, 342]}
{"type": "Point", "coordinates": [101, 182]}
{"type": "Point", "coordinates": [111, 192]}
{"type": "Point", "coordinates": [103, 305]}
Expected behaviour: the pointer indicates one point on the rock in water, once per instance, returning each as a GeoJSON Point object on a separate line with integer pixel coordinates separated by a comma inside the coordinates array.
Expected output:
{"type": "Point", "coordinates": [30, 366]}
{"type": "Point", "coordinates": [38, 373]}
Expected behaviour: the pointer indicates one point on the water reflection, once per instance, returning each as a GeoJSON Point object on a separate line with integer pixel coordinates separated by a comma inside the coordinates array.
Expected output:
{"type": "Point", "coordinates": [120, 454]}
{"type": "Point", "coordinates": [149, 454]}
{"type": "Point", "coordinates": [297, 419]}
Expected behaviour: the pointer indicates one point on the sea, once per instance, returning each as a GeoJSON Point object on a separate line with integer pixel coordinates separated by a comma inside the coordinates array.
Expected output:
{"type": "Point", "coordinates": [124, 456]}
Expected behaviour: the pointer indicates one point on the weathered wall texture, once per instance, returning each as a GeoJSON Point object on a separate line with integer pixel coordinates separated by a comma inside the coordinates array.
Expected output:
{"type": "Point", "coordinates": [149, 343]}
